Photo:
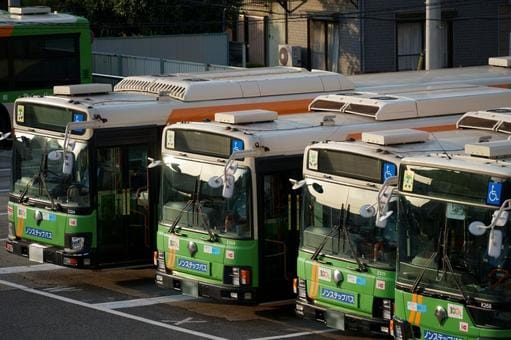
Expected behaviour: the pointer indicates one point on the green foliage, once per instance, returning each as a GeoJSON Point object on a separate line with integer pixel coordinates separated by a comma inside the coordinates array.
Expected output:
{"type": "Point", "coordinates": [149, 17]}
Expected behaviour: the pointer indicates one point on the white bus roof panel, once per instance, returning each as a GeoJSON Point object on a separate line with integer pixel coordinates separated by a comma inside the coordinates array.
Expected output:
{"type": "Point", "coordinates": [236, 84]}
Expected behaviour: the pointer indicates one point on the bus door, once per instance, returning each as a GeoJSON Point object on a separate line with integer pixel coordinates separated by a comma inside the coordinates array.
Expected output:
{"type": "Point", "coordinates": [123, 207]}
{"type": "Point", "coordinates": [278, 219]}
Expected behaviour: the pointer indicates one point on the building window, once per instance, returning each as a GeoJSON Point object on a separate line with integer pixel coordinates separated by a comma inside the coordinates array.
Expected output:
{"type": "Point", "coordinates": [324, 45]}
{"type": "Point", "coordinates": [411, 45]}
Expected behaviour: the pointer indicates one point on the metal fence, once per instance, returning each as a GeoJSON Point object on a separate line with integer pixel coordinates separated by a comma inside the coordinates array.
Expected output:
{"type": "Point", "coordinates": [125, 65]}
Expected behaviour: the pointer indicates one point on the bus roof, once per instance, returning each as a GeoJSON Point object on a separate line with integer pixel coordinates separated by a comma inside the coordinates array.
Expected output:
{"type": "Point", "coordinates": [413, 102]}
{"type": "Point", "coordinates": [478, 75]}
{"type": "Point", "coordinates": [494, 167]}
{"type": "Point", "coordinates": [122, 110]}
{"type": "Point", "coordinates": [451, 141]}
{"type": "Point", "coordinates": [35, 15]}
{"type": "Point", "coordinates": [270, 81]}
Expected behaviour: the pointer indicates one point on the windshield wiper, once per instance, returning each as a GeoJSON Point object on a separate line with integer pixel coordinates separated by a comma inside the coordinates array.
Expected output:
{"type": "Point", "coordinates": [40, 177]}
{"type": "Point", "coordinates": [179, 215]}
{"type": "Point", "coordinates": [361, 266]}
{"type": "Point", "coordinates": [325, 238]}
{"type": "Point", "coordinates": [422, 272]}
{"type": "Point", "coordinates": [446, 264]}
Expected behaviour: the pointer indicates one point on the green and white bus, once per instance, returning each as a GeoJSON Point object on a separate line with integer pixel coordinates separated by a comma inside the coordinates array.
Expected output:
{"type": "Point", "coordinates": [228, 223]}
{"type": "Point", "coordinates": [40, 49]}
{"type": "Point", "coordinates": [347, 256]}
{"type": "Point", "coordinates": [454, 263]}
{"type": "Point", "coordinates": [79, 177]}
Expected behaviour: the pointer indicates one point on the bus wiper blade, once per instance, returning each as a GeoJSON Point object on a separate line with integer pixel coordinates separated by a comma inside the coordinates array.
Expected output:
{"type": "Point", "coordinates": [423, 271]}
{"type": "Point", "coordinates": [466, 298]}
{"type": "Point", "coordinates": [325, 238]}
{"type": "Point", "coordinates": [361, 266]}
{"type": "Point", "coordinates": [27, 187]}
{"type": "Point", "coordinates": [179, 215]}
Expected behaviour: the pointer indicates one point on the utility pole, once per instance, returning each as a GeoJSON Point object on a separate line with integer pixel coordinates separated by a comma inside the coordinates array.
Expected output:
{"type": "Point", "coordinates": [433, 34]}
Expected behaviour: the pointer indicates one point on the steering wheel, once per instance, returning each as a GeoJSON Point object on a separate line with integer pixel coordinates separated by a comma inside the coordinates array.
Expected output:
{"type": "Point", "coordinates": [498, 276]}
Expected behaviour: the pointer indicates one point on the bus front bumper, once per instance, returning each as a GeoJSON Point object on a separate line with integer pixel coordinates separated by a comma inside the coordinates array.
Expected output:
{"type": "Point", "coordinates": [196, 288]}
{"type": "Point", "coordinates": [48, 254]}
{"type": "Point", "coordinates": [342, 321]}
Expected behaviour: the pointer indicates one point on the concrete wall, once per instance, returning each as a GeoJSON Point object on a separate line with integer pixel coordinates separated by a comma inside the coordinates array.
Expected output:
{"type": "Point", "coordinates": [200, 48]}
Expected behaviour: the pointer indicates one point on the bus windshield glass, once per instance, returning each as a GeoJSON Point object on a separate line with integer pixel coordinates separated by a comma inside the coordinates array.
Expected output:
{"type": "Point", "coordinates": [438, 251]}
{"type": "Point", "coordinates": [332, 214]}
{"type": "Point", "coordinates": [188, 201]}
{"type": "Point", "coordinates": [38, 170]}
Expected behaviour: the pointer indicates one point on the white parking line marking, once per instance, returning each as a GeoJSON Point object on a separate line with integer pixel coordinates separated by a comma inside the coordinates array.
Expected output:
{"type": "Point", "coordinates": [3, 213]}
{"type": "Point", "coordinates": [5, 169]}
{"type": "Point", "coordinates": [62, 289]}
{"type": "Point", "coordinates": [5, 190]}
{"type": "Point", "coordinates": [294, 335]}
{"type": "Point", "coordinates": [110, 311]}
{"type": "Point", "coordinates": [143, 302]}
{"type": "Point", "coordinates": [186, 320]}
{"type": "Point", "coordinates": [33, 268]}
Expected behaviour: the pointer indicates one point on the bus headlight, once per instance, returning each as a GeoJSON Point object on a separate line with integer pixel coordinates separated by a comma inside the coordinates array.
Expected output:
{"type": "Point", "coordinates": [302, 289]}
{"type": "Point", "coordinates": [237, 276]}
{"type": "Point", "coordinates": [387, 309]}
{"type": "Point", "coordinates": [11, 233]}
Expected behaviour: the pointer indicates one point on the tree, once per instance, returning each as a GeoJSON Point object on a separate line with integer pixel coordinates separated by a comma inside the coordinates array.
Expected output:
{"type": "Point", "coordinates": [149, 17]}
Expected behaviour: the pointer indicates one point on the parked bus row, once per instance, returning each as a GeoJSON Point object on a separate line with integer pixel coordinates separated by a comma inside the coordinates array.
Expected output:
{"type": "Point", "coordinates": [452, 275]}
{"type": "Point", "coordinates": [219, 210]}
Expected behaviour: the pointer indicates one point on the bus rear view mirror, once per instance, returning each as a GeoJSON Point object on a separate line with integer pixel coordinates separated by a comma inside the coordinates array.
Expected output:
{"type": "Point", "coordinates": [228, 186]}
{"type": "Point", "coordinates": [381, 221]}
{"type": "Point", "coordinates": [215, 182]}
{"type": "Point", "coordinates": [67, 165]}
{"type": "Point", "coordinates": [495, 243]}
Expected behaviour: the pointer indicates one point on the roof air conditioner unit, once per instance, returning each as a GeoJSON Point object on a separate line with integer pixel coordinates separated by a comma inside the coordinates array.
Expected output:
{"type": "Point", "coordinates": [290, 55]}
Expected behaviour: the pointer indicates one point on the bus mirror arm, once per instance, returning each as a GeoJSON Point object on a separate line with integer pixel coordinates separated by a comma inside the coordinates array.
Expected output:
{"type": "Point", "coordinates": [67, 166]}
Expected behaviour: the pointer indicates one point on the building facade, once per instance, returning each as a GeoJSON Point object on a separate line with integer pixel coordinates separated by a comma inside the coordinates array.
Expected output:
{"type": "Point", "coordinates": [363, 36]}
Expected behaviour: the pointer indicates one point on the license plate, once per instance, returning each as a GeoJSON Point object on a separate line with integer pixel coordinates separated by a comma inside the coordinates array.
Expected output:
{"type": "Point", "coordinates": [334, 320]}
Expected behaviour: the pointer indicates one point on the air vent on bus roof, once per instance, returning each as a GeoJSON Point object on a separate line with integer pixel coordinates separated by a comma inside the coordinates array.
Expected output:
{"type": "Point", "coordinates": [496, 149]}
{"type": "Point", "coordinates": [81, 89]}
{"type": "Point", "coordinates": [393, 137]}
{"type": "Point", "coordinates": [246, 117]}
{"type": "Point", "coordinates": [494, 120]}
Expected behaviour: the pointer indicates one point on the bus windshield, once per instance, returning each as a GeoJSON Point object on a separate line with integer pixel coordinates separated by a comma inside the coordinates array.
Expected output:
{"type": "Point", "coordinates": [187, 200]}
{"type": "Point", "coordinates": [38, 170]}
{"type": "Point", "coordinates": [372, 245]}
{"type": "Point", "coordinates": [434, 238]}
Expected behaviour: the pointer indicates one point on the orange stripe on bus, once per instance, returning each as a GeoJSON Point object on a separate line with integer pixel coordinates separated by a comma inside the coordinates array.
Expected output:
{"type": "Point", "coordinates": [6, 31]}
{"type": "Point", "coordinates": [437, 128]}
{"type": "Point", "coordinates": [171, 258]}
{"type": "Point", "coordinates": [411, 317]}
{"type": "Point", "coordinates": [314, 280]}
{"type": "Point", "coordinates": [19, 227]}
{"type": "Point", "coordinates": [418, 315]}
{"type": "Point", "coordinates": [208, 112]}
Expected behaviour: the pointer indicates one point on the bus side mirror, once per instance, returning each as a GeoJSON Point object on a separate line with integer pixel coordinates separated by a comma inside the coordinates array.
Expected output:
{"type": "Point", "coordinates": [67, 165]}
{"type": "Point", "coordinates": [495, 243]}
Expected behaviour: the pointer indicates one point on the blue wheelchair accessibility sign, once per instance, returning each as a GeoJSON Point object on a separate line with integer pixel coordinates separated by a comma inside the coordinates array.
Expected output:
{"type": "Point", "coordinates": [494, 192]}
{"type": "Point", "coordinates": [389, 170]}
